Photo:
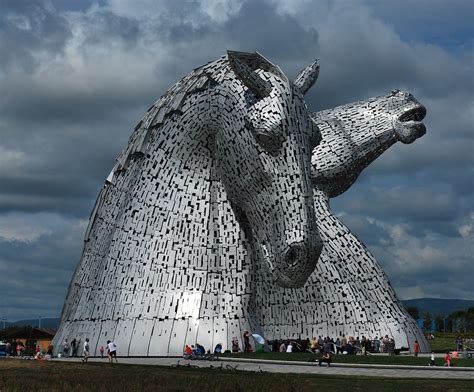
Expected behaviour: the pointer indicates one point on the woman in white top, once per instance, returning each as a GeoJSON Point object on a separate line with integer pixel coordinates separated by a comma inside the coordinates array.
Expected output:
{"type": "Point", "coordinates": [86, 350]}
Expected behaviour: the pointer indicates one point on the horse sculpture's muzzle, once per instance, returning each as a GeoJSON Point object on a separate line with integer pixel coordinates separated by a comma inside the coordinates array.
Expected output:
{"type": "Point", "coordinates": [298, 262]}
{"type": "Point", "coordinates": [408, 125]}
{"type": "Point", "coordinates": [292, 266]}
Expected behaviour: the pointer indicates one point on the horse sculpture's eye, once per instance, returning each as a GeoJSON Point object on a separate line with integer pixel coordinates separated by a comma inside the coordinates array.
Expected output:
{"type": "Point", "coordinates": [250, 98]}
{"type": "Point", "coordinates": [268, 141]}
{"type": "Point", "coordinates": [264, 139]}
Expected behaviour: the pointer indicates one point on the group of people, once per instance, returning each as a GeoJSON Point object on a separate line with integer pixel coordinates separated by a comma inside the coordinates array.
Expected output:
{"type": "Point", "coordinates": [14, 348]}
{"type": "Point", "coordinates": [341, 345]}
{"type": "Point", "coordinates": [71, 349]}
{"type": "Point", "coordinates": [248, 348]}
{"type": "Point", "coordinates": [199, 352]}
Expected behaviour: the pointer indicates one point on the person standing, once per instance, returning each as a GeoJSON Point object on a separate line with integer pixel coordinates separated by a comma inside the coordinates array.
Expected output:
{"type": "Point", "coordinates": [376, 347]}
{"type": "Point", "coordinates": [343, 343]}
{"type": "Point", "coordinates": [246, 336]}
{"type": "Point", "coordinates": [432, 359]}
{"type": "Point", "coordinates": [320, 344]}
{"type": "Point", "coordinates": [101, 350]}
{"type": "Point", "coordinates": [112, 351]}
{"type": "Point", "coordinates": [66, 348]}
{"type": "Point", "coordinates": [313, 344]}
{"type": "Point", "coordinates": [73, 347]}
{"type": "Point", "coordinates": [416, 348]}
{"type": "Point", "coordinates": [13, 348]}
{"type": "Point", "coordinates": [282, 347]}
{"type": "Point", "coordinates": [86, 350]}
{"type": "Point", "coordinates": [363, 345]}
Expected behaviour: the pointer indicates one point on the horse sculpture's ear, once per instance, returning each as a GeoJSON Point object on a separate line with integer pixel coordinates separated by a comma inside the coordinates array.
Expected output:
{"type": "Point", "coordinates": [248, 76]}
{"type": "Point", "coordinates": [307, 77]}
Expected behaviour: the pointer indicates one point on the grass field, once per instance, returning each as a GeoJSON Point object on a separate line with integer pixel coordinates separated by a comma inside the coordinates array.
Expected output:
{"type": "Point", "coordinates": [358, 359]}
{"type": "Point", "coordinates": [444, 342]}
{"type": "Point", "coordinates": [22, 375]}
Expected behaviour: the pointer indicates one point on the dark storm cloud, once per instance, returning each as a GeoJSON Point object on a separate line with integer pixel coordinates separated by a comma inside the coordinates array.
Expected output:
{"type": "Point", "coordinates": [404, 202]}
{"type": "Point", "coordinates": [256, 27]}
{"type": "Point", "coordinates": [64, 195]}
{"type": "Point", "coordinates": [77, 76]}
{"type": "Point", "coordinates": [441, 23]}
{"type": "Point", "coordinates": [104, 25]}
{"type": "Point", "coordinates": [280, 37]}
{"type": "Point", "coordinates": [28, 29]}
{"type": "Point", "coordinates": [76, 5]}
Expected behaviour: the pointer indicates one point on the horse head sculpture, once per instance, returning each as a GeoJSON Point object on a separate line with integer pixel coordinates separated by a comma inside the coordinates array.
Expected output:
{"type": "Point", "coordinates": [355, 134]}
{"type": "Point", "coordinates": [264, 154]}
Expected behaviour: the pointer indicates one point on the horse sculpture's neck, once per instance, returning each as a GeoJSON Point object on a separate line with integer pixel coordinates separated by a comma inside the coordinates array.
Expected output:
{"type": "Point", "coordinates": [193, 276]}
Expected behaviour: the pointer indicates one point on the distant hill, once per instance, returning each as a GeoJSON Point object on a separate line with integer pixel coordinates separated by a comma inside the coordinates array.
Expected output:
{"type": "Point", "coordinates": [438, 305]}
{"type": "Point", "coordinates": [52, 322]}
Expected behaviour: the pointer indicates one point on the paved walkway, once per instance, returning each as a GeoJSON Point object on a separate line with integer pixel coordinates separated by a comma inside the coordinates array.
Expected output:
{"type": "Point", "coordinates": [394, 371]}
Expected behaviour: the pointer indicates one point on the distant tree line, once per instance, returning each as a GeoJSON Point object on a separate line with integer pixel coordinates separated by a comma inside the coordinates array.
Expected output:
{"type": "Point", "coordinates": [459, 321]}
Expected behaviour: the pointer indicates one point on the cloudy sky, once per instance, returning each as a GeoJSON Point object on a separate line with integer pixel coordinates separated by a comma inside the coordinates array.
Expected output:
{"type": "Point", "coordinates": [76, 76]}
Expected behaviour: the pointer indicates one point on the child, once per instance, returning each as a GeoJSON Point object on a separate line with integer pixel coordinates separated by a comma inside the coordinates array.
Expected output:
{"type": "Point", "coordinates": [101, 350]}
{"type": "Point", "coordinates": [416, 348]}
{"type": "Point", "coordinates": [447, 360]}
{"type": "Point", "coordinates": [432, 361]}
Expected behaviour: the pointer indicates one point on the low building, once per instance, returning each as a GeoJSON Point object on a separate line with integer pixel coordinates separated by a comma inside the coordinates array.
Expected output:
{"type": "Point", "coordinates": [31, 337]}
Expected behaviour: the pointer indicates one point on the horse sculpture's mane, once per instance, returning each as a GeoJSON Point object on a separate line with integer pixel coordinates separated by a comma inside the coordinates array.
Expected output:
{"type": "Point", "coordinates": [201, 79]}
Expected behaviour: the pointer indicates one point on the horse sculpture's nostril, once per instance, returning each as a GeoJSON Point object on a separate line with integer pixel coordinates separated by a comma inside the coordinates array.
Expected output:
{"type": "Point", "coordinates": [295, 255]}
{"type": "Point", "coordinates": [417, 113]}
{"type": "Point", "coordinates": [291, 257]}
{"type": "Point", "coordinates": [295, 265]}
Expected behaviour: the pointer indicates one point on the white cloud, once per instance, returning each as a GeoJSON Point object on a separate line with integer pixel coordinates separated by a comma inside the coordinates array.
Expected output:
{"type": "Point", "coordinates": [25, 227]}
{"type": "Point", "coordinates": [196, 13]}
{"type": "Point", "coordinates": [466, 229]}
{"type": "Point", "coordinates": [11, 159]}
{"type": "Point", "coordinates": [221, 10]}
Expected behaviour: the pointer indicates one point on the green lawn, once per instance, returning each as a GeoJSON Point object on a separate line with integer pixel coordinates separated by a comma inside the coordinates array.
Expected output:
{"type": "Point", "coordinates": [22, 375]}
{"type": "Point", "coordinates": [444, 342]}
{"type": "Point", "coordinates": [358, 359]}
